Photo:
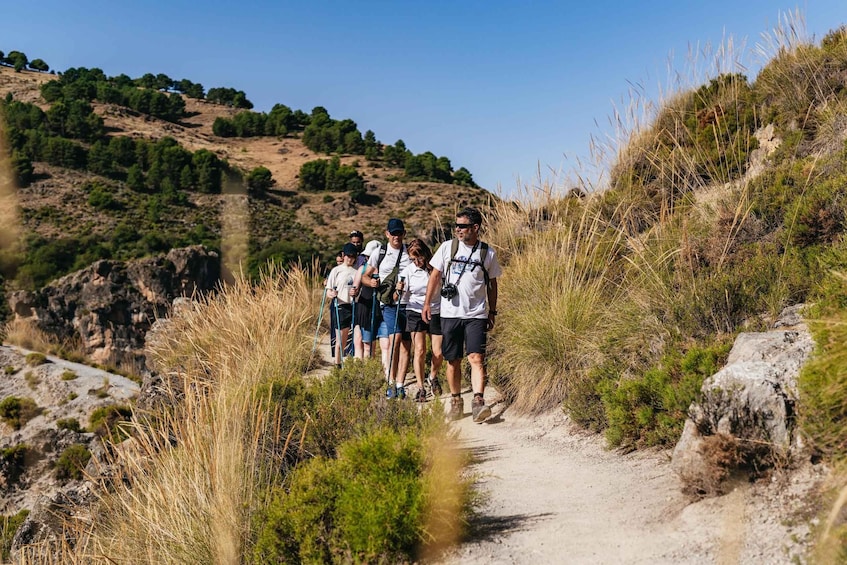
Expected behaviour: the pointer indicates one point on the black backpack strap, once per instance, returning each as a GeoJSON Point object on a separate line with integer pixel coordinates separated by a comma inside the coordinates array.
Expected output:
{"type": "Point", "coordinates": [483, 254]}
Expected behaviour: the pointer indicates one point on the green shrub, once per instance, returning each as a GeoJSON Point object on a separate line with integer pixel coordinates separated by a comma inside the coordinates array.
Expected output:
{"type": "Point", "coordinates": [366, 506]}
{"type": "Point", "coordinates": [68, 375]}
{"type": "Point", "coordinates": [16, 411]}
{"type": "Point", "coordinates": [13, 461]}
{"type": "Point", "coordinates": [8, 527]}
{"type": "Point", "coordinates": [651, 409]}
{"type": "Point", "coordinates": [71, 462]}
{"type": "Point", "coordinates": [35, 359]}
{"type": "Point", "coordinates": [10, 370]}
{"type": "Point", "coordinates": [107, 422]}
{"type": "Point", "coordinates": [68, 424]}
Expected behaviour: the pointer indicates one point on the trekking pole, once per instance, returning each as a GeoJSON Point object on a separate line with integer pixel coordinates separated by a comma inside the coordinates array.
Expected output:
{"type": "Point", "coordinates": [373, 317]}
{"type": "Point", "coordinates": [317, 329]}
{"type": "Point", "coordinates": [394, 336]}
{"type": "Point", "coordinates": [341, 346]}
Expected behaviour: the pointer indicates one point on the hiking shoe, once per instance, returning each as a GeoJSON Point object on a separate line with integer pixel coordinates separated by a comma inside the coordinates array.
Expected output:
{"type": "Point", "coordinates": [391, 392]}
{"type": "Point", "coordinates": [436, 387]}
{"type": "Point", "coordinates": [457, 408]}
{"type": "Point", "coordinates": [479, 410]}
{"type": "Point", "coordinates": [401, 392]}
{"type": "Point", "coordinates": [420, 396]}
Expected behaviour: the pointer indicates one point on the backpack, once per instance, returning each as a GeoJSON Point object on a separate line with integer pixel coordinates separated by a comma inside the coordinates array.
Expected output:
{"type": "Point", "coordinates": [385, 291]}
{"type": "Point", "coordinates": [483, 253]}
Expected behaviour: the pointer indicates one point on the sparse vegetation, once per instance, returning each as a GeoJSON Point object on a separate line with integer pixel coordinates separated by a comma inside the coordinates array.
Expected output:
{"type": "Point", "coordinates": [8, 526]}
{"type": "Point", "coordinates": [71, 424]}
{"type": "Point", "coordinates": [110, 422]}
{"type": "Point", "coordinates": [35, 359]}
{"type": "Point", "coordinates": [13, 461]}
{"type": "Point", "coordinates": [16, 411]}
{"type": "Point", "coordinates": [68, 375]}
{"type": "Point", "coordinates": [71, 462]}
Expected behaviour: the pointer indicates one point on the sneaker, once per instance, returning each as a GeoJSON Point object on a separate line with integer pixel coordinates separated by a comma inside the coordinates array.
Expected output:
{"type": "Point", "coordinates": [391, 392]}
{"type": "Point", "coordinates": [421, 395]}
{"type": "Point", "coordinates": [479, 410]}
{"type": "Point", "coordinates": [436, 387]}
{"type": "Point", "coordinates": [401, 392]}
{"type": "Point", "coordinates": [457, 408]}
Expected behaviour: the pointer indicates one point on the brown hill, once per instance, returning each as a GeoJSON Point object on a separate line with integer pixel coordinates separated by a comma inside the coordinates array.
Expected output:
{"type": "Point", "coordinates": [54, 204]}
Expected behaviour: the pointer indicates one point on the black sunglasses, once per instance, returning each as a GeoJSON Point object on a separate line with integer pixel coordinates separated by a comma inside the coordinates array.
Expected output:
{"type": "Point", "coordinates": [464, 226]}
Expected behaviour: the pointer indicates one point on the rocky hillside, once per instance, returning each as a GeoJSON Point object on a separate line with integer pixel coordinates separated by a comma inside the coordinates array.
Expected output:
{"type": "Point", "coordinates": [89, 209]}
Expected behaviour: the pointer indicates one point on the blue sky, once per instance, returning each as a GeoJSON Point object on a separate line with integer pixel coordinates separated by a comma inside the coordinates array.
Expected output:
{"type": "Point", "coordinates": [498, 87]}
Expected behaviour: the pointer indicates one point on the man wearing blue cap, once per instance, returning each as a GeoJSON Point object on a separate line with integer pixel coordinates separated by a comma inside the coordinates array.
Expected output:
{"type": "Point", "coordinates": [394, 342]}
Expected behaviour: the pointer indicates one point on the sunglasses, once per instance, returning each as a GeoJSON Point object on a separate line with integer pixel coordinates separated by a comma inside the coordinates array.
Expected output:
{"type": "Point", "coordinates": [396, 233]}
{"type": "Point", "coordinates": [464, 226]}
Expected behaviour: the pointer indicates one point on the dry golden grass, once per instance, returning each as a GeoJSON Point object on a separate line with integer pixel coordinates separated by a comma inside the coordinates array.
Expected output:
{"type": "Point", "coordinates": [191, 474]}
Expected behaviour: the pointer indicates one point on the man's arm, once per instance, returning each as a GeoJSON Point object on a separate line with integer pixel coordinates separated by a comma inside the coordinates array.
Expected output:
{"type": "Point", "coordinates": [432, 287]}
{"type": "Point", "coordinates": [367, 279]}
{"type": "Point", "coordinates": [492, 302]}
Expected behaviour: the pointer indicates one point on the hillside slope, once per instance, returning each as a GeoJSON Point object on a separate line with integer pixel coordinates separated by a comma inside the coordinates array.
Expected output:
{"type": "Point", "coordinates": [55, 204]}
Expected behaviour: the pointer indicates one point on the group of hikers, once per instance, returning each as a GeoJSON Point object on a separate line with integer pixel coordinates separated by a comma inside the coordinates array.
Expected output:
{"type": "Point", "coordinates": [399, 293]}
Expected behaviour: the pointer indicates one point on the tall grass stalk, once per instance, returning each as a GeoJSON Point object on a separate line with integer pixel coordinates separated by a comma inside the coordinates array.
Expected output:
{"type": "Point", "coordinates": [559, 297]}
{"type": "Point", "coordinates": [193, 471]}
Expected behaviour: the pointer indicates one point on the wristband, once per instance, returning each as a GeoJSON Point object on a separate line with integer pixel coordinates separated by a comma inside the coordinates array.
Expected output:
{"type": "Point", "coordinates": [492, 312]}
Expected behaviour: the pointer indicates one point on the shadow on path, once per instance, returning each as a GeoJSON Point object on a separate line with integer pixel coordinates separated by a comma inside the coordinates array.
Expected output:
{"type": "Point", "coordinates": [486, 528]}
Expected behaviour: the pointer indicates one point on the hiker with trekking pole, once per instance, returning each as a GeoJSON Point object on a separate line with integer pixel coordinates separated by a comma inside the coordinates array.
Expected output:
{"type": "Point", "coordinates": [339, 285]}
{"type": "Point", "coordinates": [364, 331]}
{"type": "Point", "coordinates": [382, 275]}
{"type": "Point", "coordinates": [417, 275]}
{"type": "Point", "coordinates": [464, 273]}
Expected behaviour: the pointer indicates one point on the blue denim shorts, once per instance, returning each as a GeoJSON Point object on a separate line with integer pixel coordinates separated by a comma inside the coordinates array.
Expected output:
{"type": "Point", "coordinates": [389, 317]}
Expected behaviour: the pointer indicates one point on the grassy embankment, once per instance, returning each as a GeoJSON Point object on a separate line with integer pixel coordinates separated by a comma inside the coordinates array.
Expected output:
{"type": "Point", "coordinates": [617, 304]}
{"type": "Point", "coordinates": [248, 461]}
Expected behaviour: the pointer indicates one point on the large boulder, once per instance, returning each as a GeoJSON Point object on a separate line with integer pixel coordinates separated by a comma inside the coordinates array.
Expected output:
{"type": "Point", "coordinates": [745, 417]}
{"type": "Point", "coordinates": [108, 307]}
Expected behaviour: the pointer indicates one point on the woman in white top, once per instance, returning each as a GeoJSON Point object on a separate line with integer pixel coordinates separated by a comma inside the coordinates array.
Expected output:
{"type": "Point", "coordinates": [416, 275]}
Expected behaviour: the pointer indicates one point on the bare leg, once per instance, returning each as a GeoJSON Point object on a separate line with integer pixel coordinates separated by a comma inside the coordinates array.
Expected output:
{"type": "Point", "coordinates": [437, 356]}
{"type": "Point", "coordinates": [454, 376]}
{"type": "Point", "coordinates": [405, 354]}
{"type": "Point", "coordinates": [419, 341]}
{"type": "Point", "coordinates": [340, 344]}
{"type": "Point", "coordinates": [477, 361]}
{"type": "Point", "coordinates": [358, 345]}
{"type": "Point", "coordinates": [384, 345]}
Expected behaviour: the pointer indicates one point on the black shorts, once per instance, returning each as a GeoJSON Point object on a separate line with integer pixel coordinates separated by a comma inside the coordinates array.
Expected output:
{"type": "Point", "coordinates": [344, 318]}
{"type": "Point", "coordinates": [414, 323]}
{"type": "Point", "coordinates": [459, 333]}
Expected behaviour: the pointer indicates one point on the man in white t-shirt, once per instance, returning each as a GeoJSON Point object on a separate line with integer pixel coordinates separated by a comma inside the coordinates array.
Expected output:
{"type": "Point", "coordinates": [468, 287]}
{"type": "Point", "coordinates": [394, 341]}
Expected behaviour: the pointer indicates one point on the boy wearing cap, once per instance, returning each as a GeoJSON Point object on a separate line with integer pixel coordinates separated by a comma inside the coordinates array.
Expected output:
{"type": "Point", "coordinates": [395, 343]}
{"type": "Point", "coordinates": [339, 285]}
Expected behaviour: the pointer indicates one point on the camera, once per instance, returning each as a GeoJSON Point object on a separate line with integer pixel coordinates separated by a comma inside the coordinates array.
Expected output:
{"type": "Point", "coordinates": [449, 291]}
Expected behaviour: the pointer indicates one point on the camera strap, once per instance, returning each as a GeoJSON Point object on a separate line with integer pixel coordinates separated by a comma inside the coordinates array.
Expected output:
{"type": "Point", "coordinates": [465, 266]}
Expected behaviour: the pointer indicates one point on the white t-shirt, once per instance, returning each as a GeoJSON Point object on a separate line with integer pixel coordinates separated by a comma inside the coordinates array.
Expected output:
{"type": "Point", "coordinates": [416, 282]}
{"type": "Point", "coordinates": [471, 300]}
{"type": "Point", "coordinates": [389, 261]}
{"type": "Point", "coordinates": [341, 280]}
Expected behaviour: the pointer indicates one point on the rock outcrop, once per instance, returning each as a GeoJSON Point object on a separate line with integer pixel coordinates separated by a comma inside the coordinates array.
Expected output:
{"type": "Point", "coordinates": [108, 307]}
{"type": "Point", "coordinates": [745, 417]}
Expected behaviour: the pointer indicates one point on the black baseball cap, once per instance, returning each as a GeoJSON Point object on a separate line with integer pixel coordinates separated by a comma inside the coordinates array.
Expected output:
{"type": "Point", "coordinates": [395, 224]}
{"type": "Point", "coordinates": [350, 250]}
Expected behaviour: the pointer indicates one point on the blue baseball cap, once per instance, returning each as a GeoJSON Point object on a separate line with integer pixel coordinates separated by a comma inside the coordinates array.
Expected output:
{"type": "Point", "coordinates": [395, 225]}
{"type": "Point", "coordinates": [350, 250]}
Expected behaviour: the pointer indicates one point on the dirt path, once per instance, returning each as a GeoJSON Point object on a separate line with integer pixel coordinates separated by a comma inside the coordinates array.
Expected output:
{"type": "Point", "coordinates": [556, 495]}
